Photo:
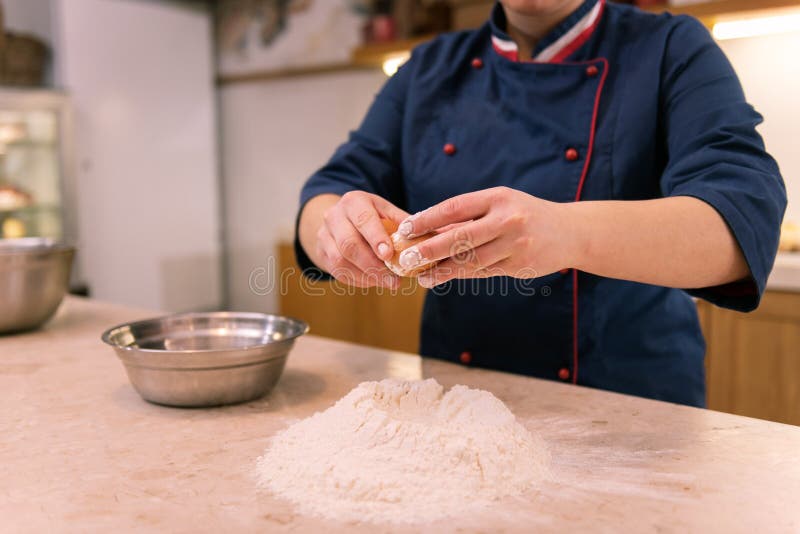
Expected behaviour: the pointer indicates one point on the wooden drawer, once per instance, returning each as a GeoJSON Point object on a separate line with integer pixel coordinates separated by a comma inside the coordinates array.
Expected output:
{"type": "Point", "coordinates": [374, 316]}
{"type": "Point", "coordinates": [753, 360]}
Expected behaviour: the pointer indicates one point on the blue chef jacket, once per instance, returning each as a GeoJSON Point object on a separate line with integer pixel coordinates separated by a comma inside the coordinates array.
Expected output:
{"type": "Point", "coordinates": [615, 104]}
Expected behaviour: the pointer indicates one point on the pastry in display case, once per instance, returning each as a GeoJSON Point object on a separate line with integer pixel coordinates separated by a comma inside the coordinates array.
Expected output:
{"type": "Point", "coordinates": [14, 198]}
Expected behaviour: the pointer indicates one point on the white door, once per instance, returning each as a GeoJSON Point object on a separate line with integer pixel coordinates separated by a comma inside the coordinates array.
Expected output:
{"type": "Point", "coordinates": [140, 76]}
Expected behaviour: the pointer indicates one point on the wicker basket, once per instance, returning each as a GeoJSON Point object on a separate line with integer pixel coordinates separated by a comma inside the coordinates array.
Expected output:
{"type": "Point", "coordinates": [22, 60]}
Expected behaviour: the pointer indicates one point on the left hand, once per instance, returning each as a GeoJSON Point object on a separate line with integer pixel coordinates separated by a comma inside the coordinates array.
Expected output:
{"type": "Point", "coordinates": [493, 232]}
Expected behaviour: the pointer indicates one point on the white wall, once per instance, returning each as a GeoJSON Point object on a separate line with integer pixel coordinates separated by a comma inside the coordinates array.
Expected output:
{"type": "Point", "coordinates": [274, 135]}
{"type": "Point", "coordinates": [770, 75]}
{"type": "Point", "coordinates": [28, 16]}
{"type": "Point", "coordinates": [140, 78]}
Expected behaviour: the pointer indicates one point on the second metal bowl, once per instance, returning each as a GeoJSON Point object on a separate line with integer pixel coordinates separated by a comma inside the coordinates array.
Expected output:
{"type": "Point", "coordinates": [34, 277]}
{"type": "Point", "coordinates": [205, 359]}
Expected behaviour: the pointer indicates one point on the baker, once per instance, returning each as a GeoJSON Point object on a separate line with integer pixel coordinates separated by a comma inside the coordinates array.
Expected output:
{"type": "Point", "coordinates": [587, 168]}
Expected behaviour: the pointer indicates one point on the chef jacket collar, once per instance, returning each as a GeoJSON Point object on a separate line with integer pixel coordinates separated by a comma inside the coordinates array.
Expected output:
{"type": "Point", "coordinates": [557, 45]}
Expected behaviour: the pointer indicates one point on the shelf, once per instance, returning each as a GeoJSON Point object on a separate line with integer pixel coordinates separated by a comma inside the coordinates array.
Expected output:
{"type": "Point", "coordinates": [27, 143]}
{"type": "Point", "coordinates": [374, 54]}
{"type": "Point", "coordinates": [292, 72]}
{"type": "Point", "coordinates": [365, 57]}
{"type": "Point", "coordinates": [371, 56]}
{"type": "Point", "coordinates": [710, 12]}
{"type": "Point", "coordinates": [30, 209]}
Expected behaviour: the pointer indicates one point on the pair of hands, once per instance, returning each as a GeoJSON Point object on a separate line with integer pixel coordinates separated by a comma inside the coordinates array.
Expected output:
{"type": "Point", "coordinates": [493, 232]}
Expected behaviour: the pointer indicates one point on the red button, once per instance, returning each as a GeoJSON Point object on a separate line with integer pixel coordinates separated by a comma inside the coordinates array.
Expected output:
{"type": "Point", "coordinates": [592, 71]}
{"type": "Point", "coordinates": [450, 149]}
{"type": "Point", "coordinates": [477, 63]}
{"type": "Point", "coordinates": [564, 271]}
{"type": "Point", "coordinates": [563, 373]}
{"type": "Point", "coordinates": [571, 154]}
{"type": "Point", "coordinates": [465, 357]}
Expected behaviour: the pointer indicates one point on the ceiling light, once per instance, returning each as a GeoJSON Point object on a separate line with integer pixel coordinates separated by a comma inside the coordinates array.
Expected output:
{"type": "Point", "coordinates": [753, 27]}
{"type": "Point", "coordinates": [392, 63]}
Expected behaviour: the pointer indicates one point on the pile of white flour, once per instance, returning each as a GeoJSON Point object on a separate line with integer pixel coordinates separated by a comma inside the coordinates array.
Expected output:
{"type": "Point", "coordinates": [403, 451]}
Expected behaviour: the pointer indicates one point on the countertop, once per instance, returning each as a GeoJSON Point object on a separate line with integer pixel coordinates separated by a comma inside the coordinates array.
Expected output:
{"type": "Point", "coordinates": [785, 275]}
{"type": "Point", "coordinates": [80, 451]}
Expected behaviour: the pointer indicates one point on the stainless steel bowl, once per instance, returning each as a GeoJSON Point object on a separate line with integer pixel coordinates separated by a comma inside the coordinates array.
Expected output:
{"type": "Point", "coordinates": [205, 359]}
{"type": "Point", "coordinates": [34, 277]}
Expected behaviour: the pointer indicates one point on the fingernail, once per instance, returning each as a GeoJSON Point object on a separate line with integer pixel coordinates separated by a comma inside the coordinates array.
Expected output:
{"type": "Point", "coordinates": [405, 228]}
{"type": "Point", "coordinates": [410, 258]}
{"type": "Point", "coordinates": [383, 250]}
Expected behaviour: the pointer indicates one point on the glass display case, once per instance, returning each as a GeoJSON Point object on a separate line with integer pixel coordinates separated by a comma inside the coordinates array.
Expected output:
{"type": "Point", "coordinates": [34, 163]}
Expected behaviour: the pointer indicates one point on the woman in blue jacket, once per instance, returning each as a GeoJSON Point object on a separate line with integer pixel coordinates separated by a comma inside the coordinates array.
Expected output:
{"type": "Point", "coordinates": [591, 166]}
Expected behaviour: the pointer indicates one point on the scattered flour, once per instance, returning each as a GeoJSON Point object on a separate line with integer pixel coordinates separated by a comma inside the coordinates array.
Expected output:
{"type": "Point", "coordinates": [403, 451]}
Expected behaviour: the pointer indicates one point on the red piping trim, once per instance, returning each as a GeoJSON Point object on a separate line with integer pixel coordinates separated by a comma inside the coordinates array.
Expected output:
{"type": "Point", "coordinates": [584, 173]}
{"type": "Point", "coordinates": [580, 39]}
{"type": "Point", "coordinates": [603, 77]}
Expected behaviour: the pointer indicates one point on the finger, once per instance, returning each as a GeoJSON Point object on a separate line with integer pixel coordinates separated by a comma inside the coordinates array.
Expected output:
{"type": "Point", "coordinates": [339, 267]}
{"type": "Point", "coordinates": [481, 262]}
{"type": "Point", "coordinates": [443, 229]}
{"type": "Point", "coordinates": [362, 212]}
{"type": "Point", "coordinates": [454, 242]}
{"type": "Point", "coordinates": [351, 244]}
{"type": "Point", "coordinates": [389, 210]}
{"type": "Point", "coordinates": [457, 209]}
{"type": "Point", "coordinates": [347, 272]}
{"type": "Point", "coordinates": [335, 265]}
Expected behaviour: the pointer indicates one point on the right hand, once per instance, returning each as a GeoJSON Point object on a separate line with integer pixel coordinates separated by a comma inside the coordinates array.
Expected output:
{"type": "Point", "coordinates": [352, 244]}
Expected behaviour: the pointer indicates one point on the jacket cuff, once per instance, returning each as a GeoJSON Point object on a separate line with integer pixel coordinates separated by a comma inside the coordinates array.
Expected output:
{"type": "Point", "coordinates": [742, 295]}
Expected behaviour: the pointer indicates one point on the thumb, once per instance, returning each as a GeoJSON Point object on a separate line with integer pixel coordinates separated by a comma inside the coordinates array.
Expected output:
{"type": "Point", "coordinates": [389, 211]}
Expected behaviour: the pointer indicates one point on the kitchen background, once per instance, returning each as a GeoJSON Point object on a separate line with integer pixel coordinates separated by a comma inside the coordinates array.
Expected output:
{"type": "Point", "coordinates": [182, 131]}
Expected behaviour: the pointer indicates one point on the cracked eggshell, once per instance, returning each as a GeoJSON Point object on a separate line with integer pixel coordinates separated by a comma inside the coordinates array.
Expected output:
{"type": "Point", "coordinates": [401, 243]}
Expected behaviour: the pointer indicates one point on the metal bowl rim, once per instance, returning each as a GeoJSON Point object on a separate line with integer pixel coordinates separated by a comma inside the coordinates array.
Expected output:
{"type": "Point", "coordinates": [106, 337]}
{"type": "Point", "coordinates": [128, 363]}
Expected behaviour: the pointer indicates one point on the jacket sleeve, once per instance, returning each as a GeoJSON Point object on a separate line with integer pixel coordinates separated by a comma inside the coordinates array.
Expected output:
{"type": "Point", "coordinates": [715, 154]}
{"type": "Point", "coordinates": [369, 161]}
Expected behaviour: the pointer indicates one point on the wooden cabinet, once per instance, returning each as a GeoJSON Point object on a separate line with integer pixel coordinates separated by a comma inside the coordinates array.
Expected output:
{"type": "Point", "coordinates": [753, 360]}
{"type": "Point", "coordinates": [372, 316]}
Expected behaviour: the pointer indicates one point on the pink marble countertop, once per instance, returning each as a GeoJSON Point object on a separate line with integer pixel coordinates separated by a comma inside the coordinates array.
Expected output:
{"type": "Point", "coordinates": [80, 451]}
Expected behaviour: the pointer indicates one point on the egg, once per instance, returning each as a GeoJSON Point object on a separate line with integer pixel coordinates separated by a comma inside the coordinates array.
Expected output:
{"type": "Point", "coordinates": [401, 243]}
